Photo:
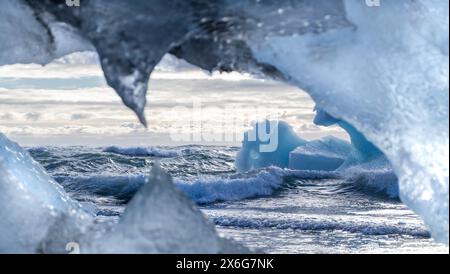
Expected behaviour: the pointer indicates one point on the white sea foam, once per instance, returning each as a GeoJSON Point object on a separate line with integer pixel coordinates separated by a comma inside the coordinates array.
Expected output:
{"type": "Point", "coordinates": [146, 151]}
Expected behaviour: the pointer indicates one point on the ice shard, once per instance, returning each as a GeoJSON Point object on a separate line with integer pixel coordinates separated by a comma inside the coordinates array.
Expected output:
{"type": "Point", "coordinates": [161, 219]}
{"type": "Point", "coordinates": [36, 214]}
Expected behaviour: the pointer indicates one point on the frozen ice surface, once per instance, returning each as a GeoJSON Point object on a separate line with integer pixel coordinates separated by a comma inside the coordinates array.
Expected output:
{"type": "Point", "coordinates": [327, 154]}
{"type": "Point", "coordinates": [37, 215]}
{"type": "Point", "coordinates": [360, 163]}
{"type": "Point", "coordinates": [392, 86]}
{"type": "Point", "coordinates": [25, 39]}
{"type": "Point", "coordinates": [361, 150]}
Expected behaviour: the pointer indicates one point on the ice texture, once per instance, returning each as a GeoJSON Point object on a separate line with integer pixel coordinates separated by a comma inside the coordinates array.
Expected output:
{"type": "Point", "coordinates": [36, 214]}
{"type": "Point", "coordinates": [161, 219]}
{"type": "Point", "coordinates": [361, 149]}
{"type": "Point", "coordinates": [383, 70]}
{"type": "Point", "coordinates": [326, 154]}
{"type": "Point", "coordinates": [359, 163]}
{"type": "Point", "coordinates": [251, 155]}
{"type": "Point", "coordinates": [387, 77]}
{"type": "Point", "coordinates": [29, 37]}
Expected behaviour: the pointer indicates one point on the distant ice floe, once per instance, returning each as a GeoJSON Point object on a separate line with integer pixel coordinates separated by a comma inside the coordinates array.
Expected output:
{"type": "Point", "coordinates": [358, 162]}
{"type": "Point", "coordinates": [327, 154]}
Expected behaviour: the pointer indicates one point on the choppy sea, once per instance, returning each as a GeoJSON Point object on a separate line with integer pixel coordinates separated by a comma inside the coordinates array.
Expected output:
{"type": "Point", "coordinates": [271, 210]}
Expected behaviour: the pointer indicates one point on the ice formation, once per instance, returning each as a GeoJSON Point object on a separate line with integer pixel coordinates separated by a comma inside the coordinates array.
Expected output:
{"type": "Point", "coordinates": [381, 69]}
{"type": "Point", "coordinates": [25, 38]}
{"type": "Point", "coordinates": [362, 150]}
{"type": "Point", "coordinates": [326, 154]}
{"type": "Point", "coordinates": [359, 162]}
{"type": "Point", "coordinates": [37, 215]}
{"type": "Point", "coordinates": [251, 155]}
{"type": "Point", "coordinates": [161, 219]}
{"type": "Point", "coordinates": [390, 85]}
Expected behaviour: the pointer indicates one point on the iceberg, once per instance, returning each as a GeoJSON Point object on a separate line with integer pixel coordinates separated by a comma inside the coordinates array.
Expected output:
{"type": "Point", "coordinates": [391, 86]}
{"type": "Point", "coordinates": [362, 150]}
{"type": "Point", "coordinates": [360, 163]}
{"type": "Point", "coordinates": [252, 156]}
{"type": "Point", "coordinates": [325, 154]}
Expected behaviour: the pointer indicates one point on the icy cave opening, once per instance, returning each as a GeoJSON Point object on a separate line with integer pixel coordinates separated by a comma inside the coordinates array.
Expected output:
{"type": "Point", "coordinates": [391, 86]}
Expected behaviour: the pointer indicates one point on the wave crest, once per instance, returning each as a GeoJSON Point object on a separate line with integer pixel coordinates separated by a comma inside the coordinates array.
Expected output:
{"type": "Point", "coordinates": [146, 151]}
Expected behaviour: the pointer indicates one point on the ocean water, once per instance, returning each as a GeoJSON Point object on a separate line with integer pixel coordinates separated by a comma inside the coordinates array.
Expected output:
{"type": "Point", "coordinates": [270, 210]}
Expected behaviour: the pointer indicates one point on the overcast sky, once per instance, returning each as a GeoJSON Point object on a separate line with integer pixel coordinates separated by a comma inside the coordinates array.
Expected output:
{"type": "Point", "coordinates": [68, 103]}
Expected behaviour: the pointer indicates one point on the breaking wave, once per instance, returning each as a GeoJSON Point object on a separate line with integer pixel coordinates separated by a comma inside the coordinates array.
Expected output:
{"type": "Point", "coordinates": [253, 184]}
{"type": "Point", "coordinates": [147, 151]}
{"type": "Point", "coordinates": [315, 225]}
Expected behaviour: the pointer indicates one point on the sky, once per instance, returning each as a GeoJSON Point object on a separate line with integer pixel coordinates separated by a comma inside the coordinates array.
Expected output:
{"type": "Point", "coordinates": [68, 103]}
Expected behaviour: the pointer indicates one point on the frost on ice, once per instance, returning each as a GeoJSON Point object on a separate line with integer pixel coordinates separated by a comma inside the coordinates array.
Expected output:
{"type": "Point", "coordinates": [36, 214]}
{"type": "Point", "coordinates": [383, 71]}
{"type": "Point", "coordinates": [390, 85]}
